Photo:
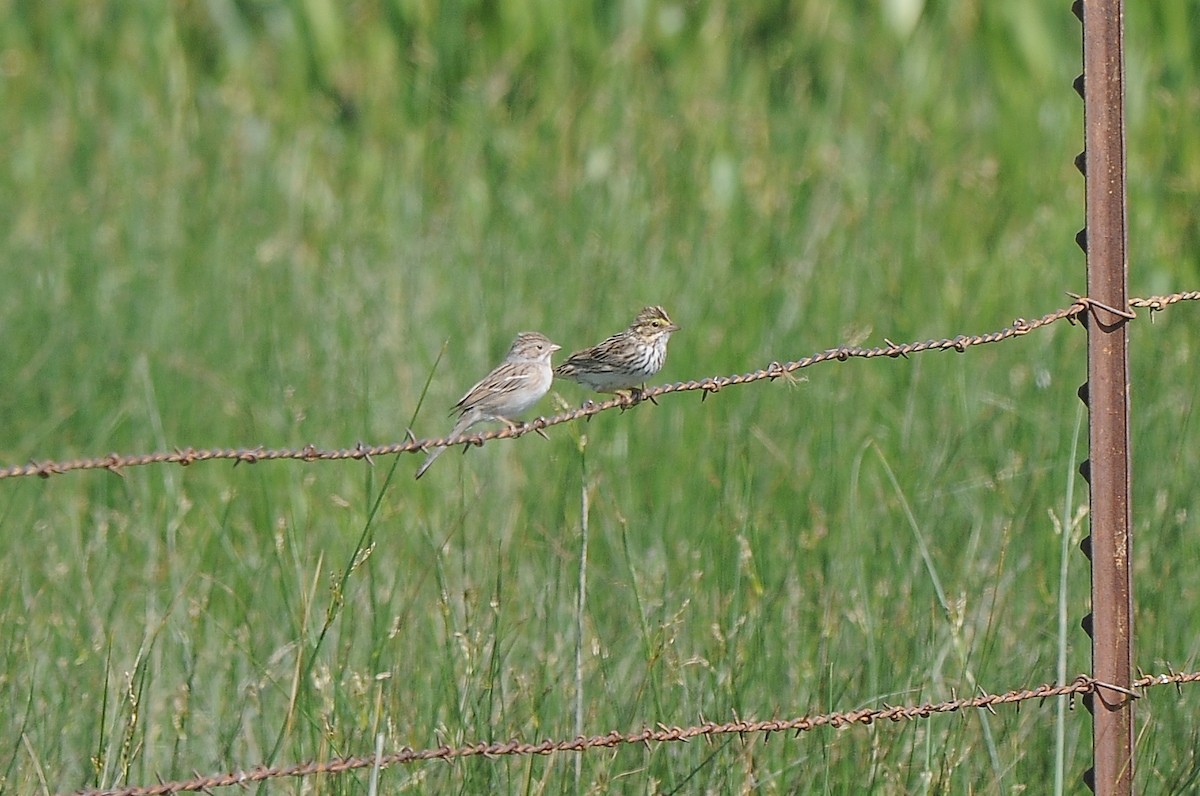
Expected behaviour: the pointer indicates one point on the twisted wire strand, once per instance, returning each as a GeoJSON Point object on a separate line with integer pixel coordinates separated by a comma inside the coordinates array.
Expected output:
{"type": "Point", "coordinates": [1080, 686]}
{"type": "Point", "coordinates": [116, 463]}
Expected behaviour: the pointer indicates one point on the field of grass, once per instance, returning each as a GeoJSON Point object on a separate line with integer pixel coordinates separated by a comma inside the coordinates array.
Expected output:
{"type": "Point", "coordinates": [234, 224]}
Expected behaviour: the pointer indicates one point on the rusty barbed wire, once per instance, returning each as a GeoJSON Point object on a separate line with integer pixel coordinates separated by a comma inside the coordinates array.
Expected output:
{"type": "Point", "coordinates": [1159, 303]}
{"type": "Point", "coordinates": [1081, 685]}
{"type": "Point", "coordinates": [115, 462]}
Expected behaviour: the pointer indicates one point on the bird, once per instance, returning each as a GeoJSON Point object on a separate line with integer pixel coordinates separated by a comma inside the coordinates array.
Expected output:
{"type": "Point", "coordinates": [622, 363]}
{"type": "Point", "coordinates": [512, 387]}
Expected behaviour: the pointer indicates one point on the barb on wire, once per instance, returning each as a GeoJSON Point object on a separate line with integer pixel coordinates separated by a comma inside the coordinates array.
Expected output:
{"type": "Point", "coordinates": [663, 734]}
{"type": "Point", "coordinates": [115, 462]}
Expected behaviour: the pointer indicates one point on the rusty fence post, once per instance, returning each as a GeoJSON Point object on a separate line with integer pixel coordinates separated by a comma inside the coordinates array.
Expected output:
{"type": "Point", "coordinates": [1109, 547]}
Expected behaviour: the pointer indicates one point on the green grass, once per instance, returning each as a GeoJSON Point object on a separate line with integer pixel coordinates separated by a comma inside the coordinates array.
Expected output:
{"type": "Point", "coordinates": [240, 224]}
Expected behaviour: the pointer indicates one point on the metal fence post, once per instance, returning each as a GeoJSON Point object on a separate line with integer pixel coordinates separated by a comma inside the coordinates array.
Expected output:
{"type": "Point", "coordinates": [1108, 469]}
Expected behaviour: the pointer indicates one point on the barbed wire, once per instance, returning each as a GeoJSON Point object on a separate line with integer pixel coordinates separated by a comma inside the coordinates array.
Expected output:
{"type": "Point", "coordinates": [1081, 685]}
{"type": "Point", "coordinates": [115, 462]}
{"type": "Point", "coordinates": [1159, 303]}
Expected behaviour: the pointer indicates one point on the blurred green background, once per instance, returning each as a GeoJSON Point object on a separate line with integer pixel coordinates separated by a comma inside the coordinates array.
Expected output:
{"type": "Point", "coordinates": [273, 223]}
